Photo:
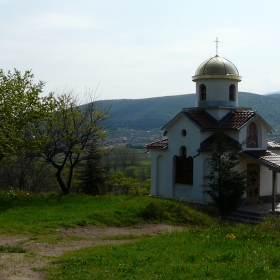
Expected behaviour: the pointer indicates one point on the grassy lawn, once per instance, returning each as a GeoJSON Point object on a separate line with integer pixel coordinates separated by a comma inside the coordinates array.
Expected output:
{"type": "Point", "coordinates": [213, 253]}
{"type": "Point", "coordinates": [209, 249]}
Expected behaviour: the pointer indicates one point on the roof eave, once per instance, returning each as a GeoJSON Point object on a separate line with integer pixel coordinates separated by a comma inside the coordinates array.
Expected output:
{"type": "Point", "coordinates": [253, 118]}
{"type": "Point", "coordinates": [166, 125]}
{"type": "Point", "coordinates": [260, 162]}
{"type": "Point", "coordinates": [217, 76]}
{"type": "Point", "coordinates": [186, 116]}
{"type": "Point", "coordinates": [156, 148]}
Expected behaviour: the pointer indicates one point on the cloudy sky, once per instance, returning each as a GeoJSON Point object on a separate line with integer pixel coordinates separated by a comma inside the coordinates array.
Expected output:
{"type": "Point", "coordinates": [139, 48]}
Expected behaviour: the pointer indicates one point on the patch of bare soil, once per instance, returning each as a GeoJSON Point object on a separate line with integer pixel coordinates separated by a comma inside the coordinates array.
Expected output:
{"type": "Point", "coordinates": [23, 266]}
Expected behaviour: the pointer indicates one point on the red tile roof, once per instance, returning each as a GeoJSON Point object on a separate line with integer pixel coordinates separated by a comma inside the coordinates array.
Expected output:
{"type": "Point", "coordinates": [237, 119]}
{"type": "Point", "coordinates": [161, 144]}
{"type": "Point", "coordinates": [201, 118]}
{"type": "Point", "coordinates": [263, 157]}
{"type": "Point", "coordinates": [234, 120]}
{"type": "Point", "coordinates": [212, 143]}
{"type": "Point", "coordinates": [273, 145]}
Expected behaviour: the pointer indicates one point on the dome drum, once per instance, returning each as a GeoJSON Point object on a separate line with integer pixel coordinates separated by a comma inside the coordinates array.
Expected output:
{"type": "Point", "coordinates": [216, 83]}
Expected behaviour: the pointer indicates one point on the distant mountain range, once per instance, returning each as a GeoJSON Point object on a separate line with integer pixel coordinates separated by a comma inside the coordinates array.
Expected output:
{"type": "Point", "coordinates": [153, 113]}
{"type": "Point", "coordinates": [275, 92]}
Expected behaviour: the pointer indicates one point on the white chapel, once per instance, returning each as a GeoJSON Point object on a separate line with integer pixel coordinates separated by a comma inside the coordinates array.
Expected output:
{"type": "Point", "coordinates": [179, 161]}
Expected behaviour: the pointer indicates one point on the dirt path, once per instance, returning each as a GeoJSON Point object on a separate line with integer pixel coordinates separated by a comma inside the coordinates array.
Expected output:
{"type": "Point", "coordinates": [22, 266]}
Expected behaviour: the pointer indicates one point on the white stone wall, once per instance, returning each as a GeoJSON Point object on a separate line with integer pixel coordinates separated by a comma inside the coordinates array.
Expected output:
{"type": "Point", "coordinates": [162, 162]}
{"type": "Point", "coordinates": [183, 192]}
{"type": "Point", "coordinates": [217, 92]}
{"type": "Point", "coordinates": [175, 139]}
{"type": "Point", "coordinates": [265, 181]}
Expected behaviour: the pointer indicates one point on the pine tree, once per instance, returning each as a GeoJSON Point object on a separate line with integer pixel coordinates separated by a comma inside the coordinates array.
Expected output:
{"type": "Point", "coordinates": [92, 176]}
{"type": "Point", "coordinates": [227, 185]}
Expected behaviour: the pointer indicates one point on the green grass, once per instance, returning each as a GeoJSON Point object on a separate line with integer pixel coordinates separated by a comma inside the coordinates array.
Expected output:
{"type": "Point", "coordinates": [207, 250]}
{"type": "Point", "coordinates": [35, 215]}
{"type": "Point", "coordinates": [11, 249]}
{"type": "Point", "coordinates": [54, 239]}
{"type": "Point", "coordinates": [220, 252]}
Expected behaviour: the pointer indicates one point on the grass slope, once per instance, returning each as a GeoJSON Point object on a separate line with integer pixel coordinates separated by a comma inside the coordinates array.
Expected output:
{"type": "Point", "coordinates": [29, 214]}
{"type": "Point", "coordinates": [207, 250]}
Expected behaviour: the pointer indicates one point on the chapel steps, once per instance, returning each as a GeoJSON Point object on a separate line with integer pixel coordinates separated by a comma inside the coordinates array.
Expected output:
{"type": "Point", "coordinates": [251, 217]}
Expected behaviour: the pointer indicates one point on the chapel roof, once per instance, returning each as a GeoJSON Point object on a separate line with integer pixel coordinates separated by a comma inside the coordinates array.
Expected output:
{"type": "Point", "coordinates": [233, 120]}
{"type": "Point", "coordinates": [264, 157]}
{"type": "Point", "coordinates": [273, 145]}
{"type": "Point", "coordinates": [212, 143]}
{"type": "Point", "coordinates": [161, 144]}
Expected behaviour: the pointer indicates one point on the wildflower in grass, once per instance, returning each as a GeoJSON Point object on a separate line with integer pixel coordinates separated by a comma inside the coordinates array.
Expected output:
{"type": "Point", "coordinates": [231, 236]}
{"type": "Point", "coordinates": [11, 193]}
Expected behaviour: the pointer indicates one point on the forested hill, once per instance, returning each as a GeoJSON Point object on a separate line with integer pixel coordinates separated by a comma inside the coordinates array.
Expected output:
{"type": "Point", "coordinates": [153, 113]}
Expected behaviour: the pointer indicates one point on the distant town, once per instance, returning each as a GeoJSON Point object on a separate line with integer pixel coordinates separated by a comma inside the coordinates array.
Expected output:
{"type": "Point", "coordinates": [135, 138]}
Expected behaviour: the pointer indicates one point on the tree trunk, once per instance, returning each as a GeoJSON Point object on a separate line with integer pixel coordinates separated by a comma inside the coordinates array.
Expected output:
{"type": "Point", "coordinates": [63, 188]}
{"type": "Point", "coordinates": [70, 178]}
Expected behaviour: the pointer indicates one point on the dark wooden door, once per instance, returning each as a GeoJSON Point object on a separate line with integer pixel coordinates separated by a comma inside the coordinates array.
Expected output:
{"type": "Point", "coordinates": [253, 183]}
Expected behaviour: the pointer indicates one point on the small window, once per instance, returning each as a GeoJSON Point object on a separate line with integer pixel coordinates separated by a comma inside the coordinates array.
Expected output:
{"type": "Point", "coordinates": [232, 93]}
{"type": "Point", "coordinates": [183, 132]}
{"type": "Point", "coordinates": [202, 90]}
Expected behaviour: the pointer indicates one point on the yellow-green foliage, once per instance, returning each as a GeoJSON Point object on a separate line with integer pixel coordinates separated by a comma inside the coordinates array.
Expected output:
{"type": "Point", "coordinates": [128, 185]}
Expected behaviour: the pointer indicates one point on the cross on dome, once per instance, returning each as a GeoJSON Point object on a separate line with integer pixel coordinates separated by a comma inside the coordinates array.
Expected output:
{"type": "Point", "coordinates": [217, 45]}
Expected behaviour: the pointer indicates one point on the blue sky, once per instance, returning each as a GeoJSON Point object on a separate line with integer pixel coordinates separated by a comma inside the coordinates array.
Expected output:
{"type": "Point", "coordinates": [139, 48]}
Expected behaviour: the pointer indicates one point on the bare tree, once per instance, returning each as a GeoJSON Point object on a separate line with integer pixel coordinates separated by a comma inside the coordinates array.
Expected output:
{"type": "Point", "coordinates": [71, 132]}
{"type": "Point", "coordinates": [26, 173]}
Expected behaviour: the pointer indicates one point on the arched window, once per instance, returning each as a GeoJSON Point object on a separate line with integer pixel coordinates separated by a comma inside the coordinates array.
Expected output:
{"type": "Point", "coordinates": [189, 174]}
{"type": "Point", "coordinates": [183, 152]}
{"type": "Point", "coordinates": [232, 93]}
{"type": "Point", "coordinates": [252, 136]}
{"type": "Point", "coordinates": [184, 168]}
{"type": "Point", "coordinates": [202, 92]}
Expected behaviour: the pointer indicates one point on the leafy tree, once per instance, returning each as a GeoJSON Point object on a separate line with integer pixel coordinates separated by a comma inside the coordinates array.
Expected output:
{"type": "Point", "coordinates": [20, 108]}
{"type": "Point", "coordinates": [227, 185]}
{"type": "Point", "coordinates": [125, 185]}
{"type": "Point", "coordinates": [131, 171]}
{"type": "Point", "coordinates": [71, 132]}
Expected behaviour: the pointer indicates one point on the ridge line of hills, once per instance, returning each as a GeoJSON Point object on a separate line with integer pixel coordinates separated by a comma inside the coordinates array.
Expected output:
{"type": "Point", "coordinates": [150, 114]}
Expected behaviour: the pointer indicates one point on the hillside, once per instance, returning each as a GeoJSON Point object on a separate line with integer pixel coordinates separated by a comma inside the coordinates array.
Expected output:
{"type": "Point", "coordinates": [153, 113]}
